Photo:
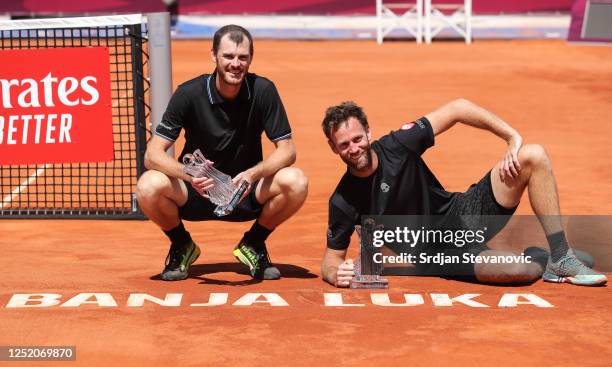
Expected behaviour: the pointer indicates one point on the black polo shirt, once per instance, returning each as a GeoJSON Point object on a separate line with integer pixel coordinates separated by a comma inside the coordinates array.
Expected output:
{"type": "Point", "coordinates": [401, 185]}
{"type": "Point", "coordinates": [227, 132]}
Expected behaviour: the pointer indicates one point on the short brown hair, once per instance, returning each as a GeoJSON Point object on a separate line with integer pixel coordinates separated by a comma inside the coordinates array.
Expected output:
{"type": "Point", "coordinates": [236, 34]}
{"type": "Point", "coordinates": [337, 115]}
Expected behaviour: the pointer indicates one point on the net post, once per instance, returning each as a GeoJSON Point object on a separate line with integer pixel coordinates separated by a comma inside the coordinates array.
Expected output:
{"type": "Point", "coordinates": [139, 105]}
{"type": "Point", "coordinates": [160, 67]}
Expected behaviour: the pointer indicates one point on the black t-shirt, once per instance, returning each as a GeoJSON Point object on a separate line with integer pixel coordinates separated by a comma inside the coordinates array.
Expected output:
{"type": "Point", "coordinates": [227, 132]}
{"type": "Point", "coordinates": [401, 185]}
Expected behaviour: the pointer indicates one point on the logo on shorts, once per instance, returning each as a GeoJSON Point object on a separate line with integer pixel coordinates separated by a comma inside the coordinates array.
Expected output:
{"type": "Point", "coordinates": [384, 187]}
{"type": "Point", "coordinates": [420, 123]}
{"type": "Point", "coordinates": [330, 235]}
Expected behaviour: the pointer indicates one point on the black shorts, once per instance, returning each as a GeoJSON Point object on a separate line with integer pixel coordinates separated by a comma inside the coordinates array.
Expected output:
{"type": "Point", "coordinates": [198, 208]}
{"type": "Point", "coordinates": [479, 200]}
{"type": "Point", "coordinates": [474, 208]}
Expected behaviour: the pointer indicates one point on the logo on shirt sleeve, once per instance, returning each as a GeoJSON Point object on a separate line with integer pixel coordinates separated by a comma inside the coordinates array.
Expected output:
{"type": "Point", "coordinates": [330, 235]}
{"type": "Point", "coordinates": [407, 126]}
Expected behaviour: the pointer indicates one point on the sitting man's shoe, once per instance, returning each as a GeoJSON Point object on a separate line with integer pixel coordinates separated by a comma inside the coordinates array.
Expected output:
{"type": "Point", "coordinates": [569, 269]}
{"type": "Point", "coordinates": [541, 253]}
{"type": "Point", "coordinates": [257, 261]}
{"type": "Point", "coordinates": [178, 261]}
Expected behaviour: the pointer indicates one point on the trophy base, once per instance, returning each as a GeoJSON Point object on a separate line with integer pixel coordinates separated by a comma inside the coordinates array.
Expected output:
{"type": "Point", "coordinates": [223, 210]}
{"type": "Point", "coordinates": [369, 282]}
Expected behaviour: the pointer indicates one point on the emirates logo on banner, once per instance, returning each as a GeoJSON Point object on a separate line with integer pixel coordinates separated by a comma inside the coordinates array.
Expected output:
{"type": "Point", "coordinates": [55, 106]}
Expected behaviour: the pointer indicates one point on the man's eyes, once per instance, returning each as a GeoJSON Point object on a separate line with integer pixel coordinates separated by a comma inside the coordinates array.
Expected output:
{"type": "Point", "coordinates": [356, 140]}
{"type": "Point", "coordinates": [231, 57]}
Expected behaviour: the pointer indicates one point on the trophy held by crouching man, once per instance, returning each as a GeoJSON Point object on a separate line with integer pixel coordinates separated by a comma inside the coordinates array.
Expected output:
{"type": "Point", "coordinates": [225, 194]}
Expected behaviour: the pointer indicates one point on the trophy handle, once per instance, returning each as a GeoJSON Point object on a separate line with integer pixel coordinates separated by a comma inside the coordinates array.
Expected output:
{"type": "Point", "coordinates": [199, 158]}
{"type": "Point", "coordinates": [188, 159]}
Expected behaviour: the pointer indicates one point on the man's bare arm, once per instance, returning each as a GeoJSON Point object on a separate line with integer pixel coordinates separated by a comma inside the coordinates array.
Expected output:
{"type": "Point", "coordinates": [283, 156]}
{"type": "Point", "coordinates": [466, 112]}
{"type": "Point", "coordinates": [335, 269]}
{"type": "Point", "coordinates": [156, 159]}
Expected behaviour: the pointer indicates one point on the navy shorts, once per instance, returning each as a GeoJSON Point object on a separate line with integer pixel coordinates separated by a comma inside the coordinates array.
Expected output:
{"type": "Point", "coordinates": [198, 208]}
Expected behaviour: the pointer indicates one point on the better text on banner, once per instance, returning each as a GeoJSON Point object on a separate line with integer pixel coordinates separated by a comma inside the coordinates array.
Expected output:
{"type": "Point", "coordinates": [55, 106]}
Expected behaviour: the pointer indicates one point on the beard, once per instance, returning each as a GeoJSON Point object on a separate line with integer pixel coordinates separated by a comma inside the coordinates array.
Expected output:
{"type": "Point", "coordinates": [228, 78]}
{"type": "Point", "coordinates": [363, 162]}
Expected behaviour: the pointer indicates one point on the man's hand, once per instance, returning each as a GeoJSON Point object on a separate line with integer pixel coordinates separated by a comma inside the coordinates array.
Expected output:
{"type": "Point", "coordinates": [249, 176]}
{"type": "Point", "coordinates": [510, 166]}
{"type": "Point", "coordinates": [202, 184]}
{"type": "Point", "coordinates": [345, 273]}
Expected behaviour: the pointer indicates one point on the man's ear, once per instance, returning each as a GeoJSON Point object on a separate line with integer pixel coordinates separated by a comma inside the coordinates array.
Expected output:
{"type": "Point", "coordinates": [213, 56]}
{"type": "Point", "coordinates": [369, 135]}
{"type": "Point", "coordinates": [332, 146]}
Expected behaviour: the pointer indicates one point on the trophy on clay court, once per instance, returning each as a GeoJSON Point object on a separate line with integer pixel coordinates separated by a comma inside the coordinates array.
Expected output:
{"type": "Point", "coordinates": [225, 194]}
{"type": "Point", "coordinates": [367, 272]}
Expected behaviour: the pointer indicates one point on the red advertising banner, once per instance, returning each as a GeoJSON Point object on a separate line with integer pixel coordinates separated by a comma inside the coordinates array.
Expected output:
{"type": "Point", "coordinates": [55, 106]}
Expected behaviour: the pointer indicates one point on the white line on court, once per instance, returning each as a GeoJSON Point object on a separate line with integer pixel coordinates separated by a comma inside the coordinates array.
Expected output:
{"type": "Point", "coordinates": [18, 190]}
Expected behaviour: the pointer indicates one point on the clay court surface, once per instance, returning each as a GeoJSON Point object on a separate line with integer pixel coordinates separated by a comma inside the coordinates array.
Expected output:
{"type": "Point", "coordinates": [553, 93]}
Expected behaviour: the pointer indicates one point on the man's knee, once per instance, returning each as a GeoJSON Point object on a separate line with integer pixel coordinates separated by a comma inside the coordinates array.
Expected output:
{"type": "Point", "coordinates": [150, 185]}
{"type": "Point", "coordinates": [292, 180]}
{"type": "Point", "coordinates": [533, 155]}
{"type": "Point", "coordinates": [517, 273]}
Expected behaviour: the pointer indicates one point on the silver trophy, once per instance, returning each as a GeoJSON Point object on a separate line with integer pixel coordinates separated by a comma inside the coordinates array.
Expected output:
{"type": "Point", "coordinates": [225, 194]}
{"type": "Point", "coordinates": [367, 271]}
